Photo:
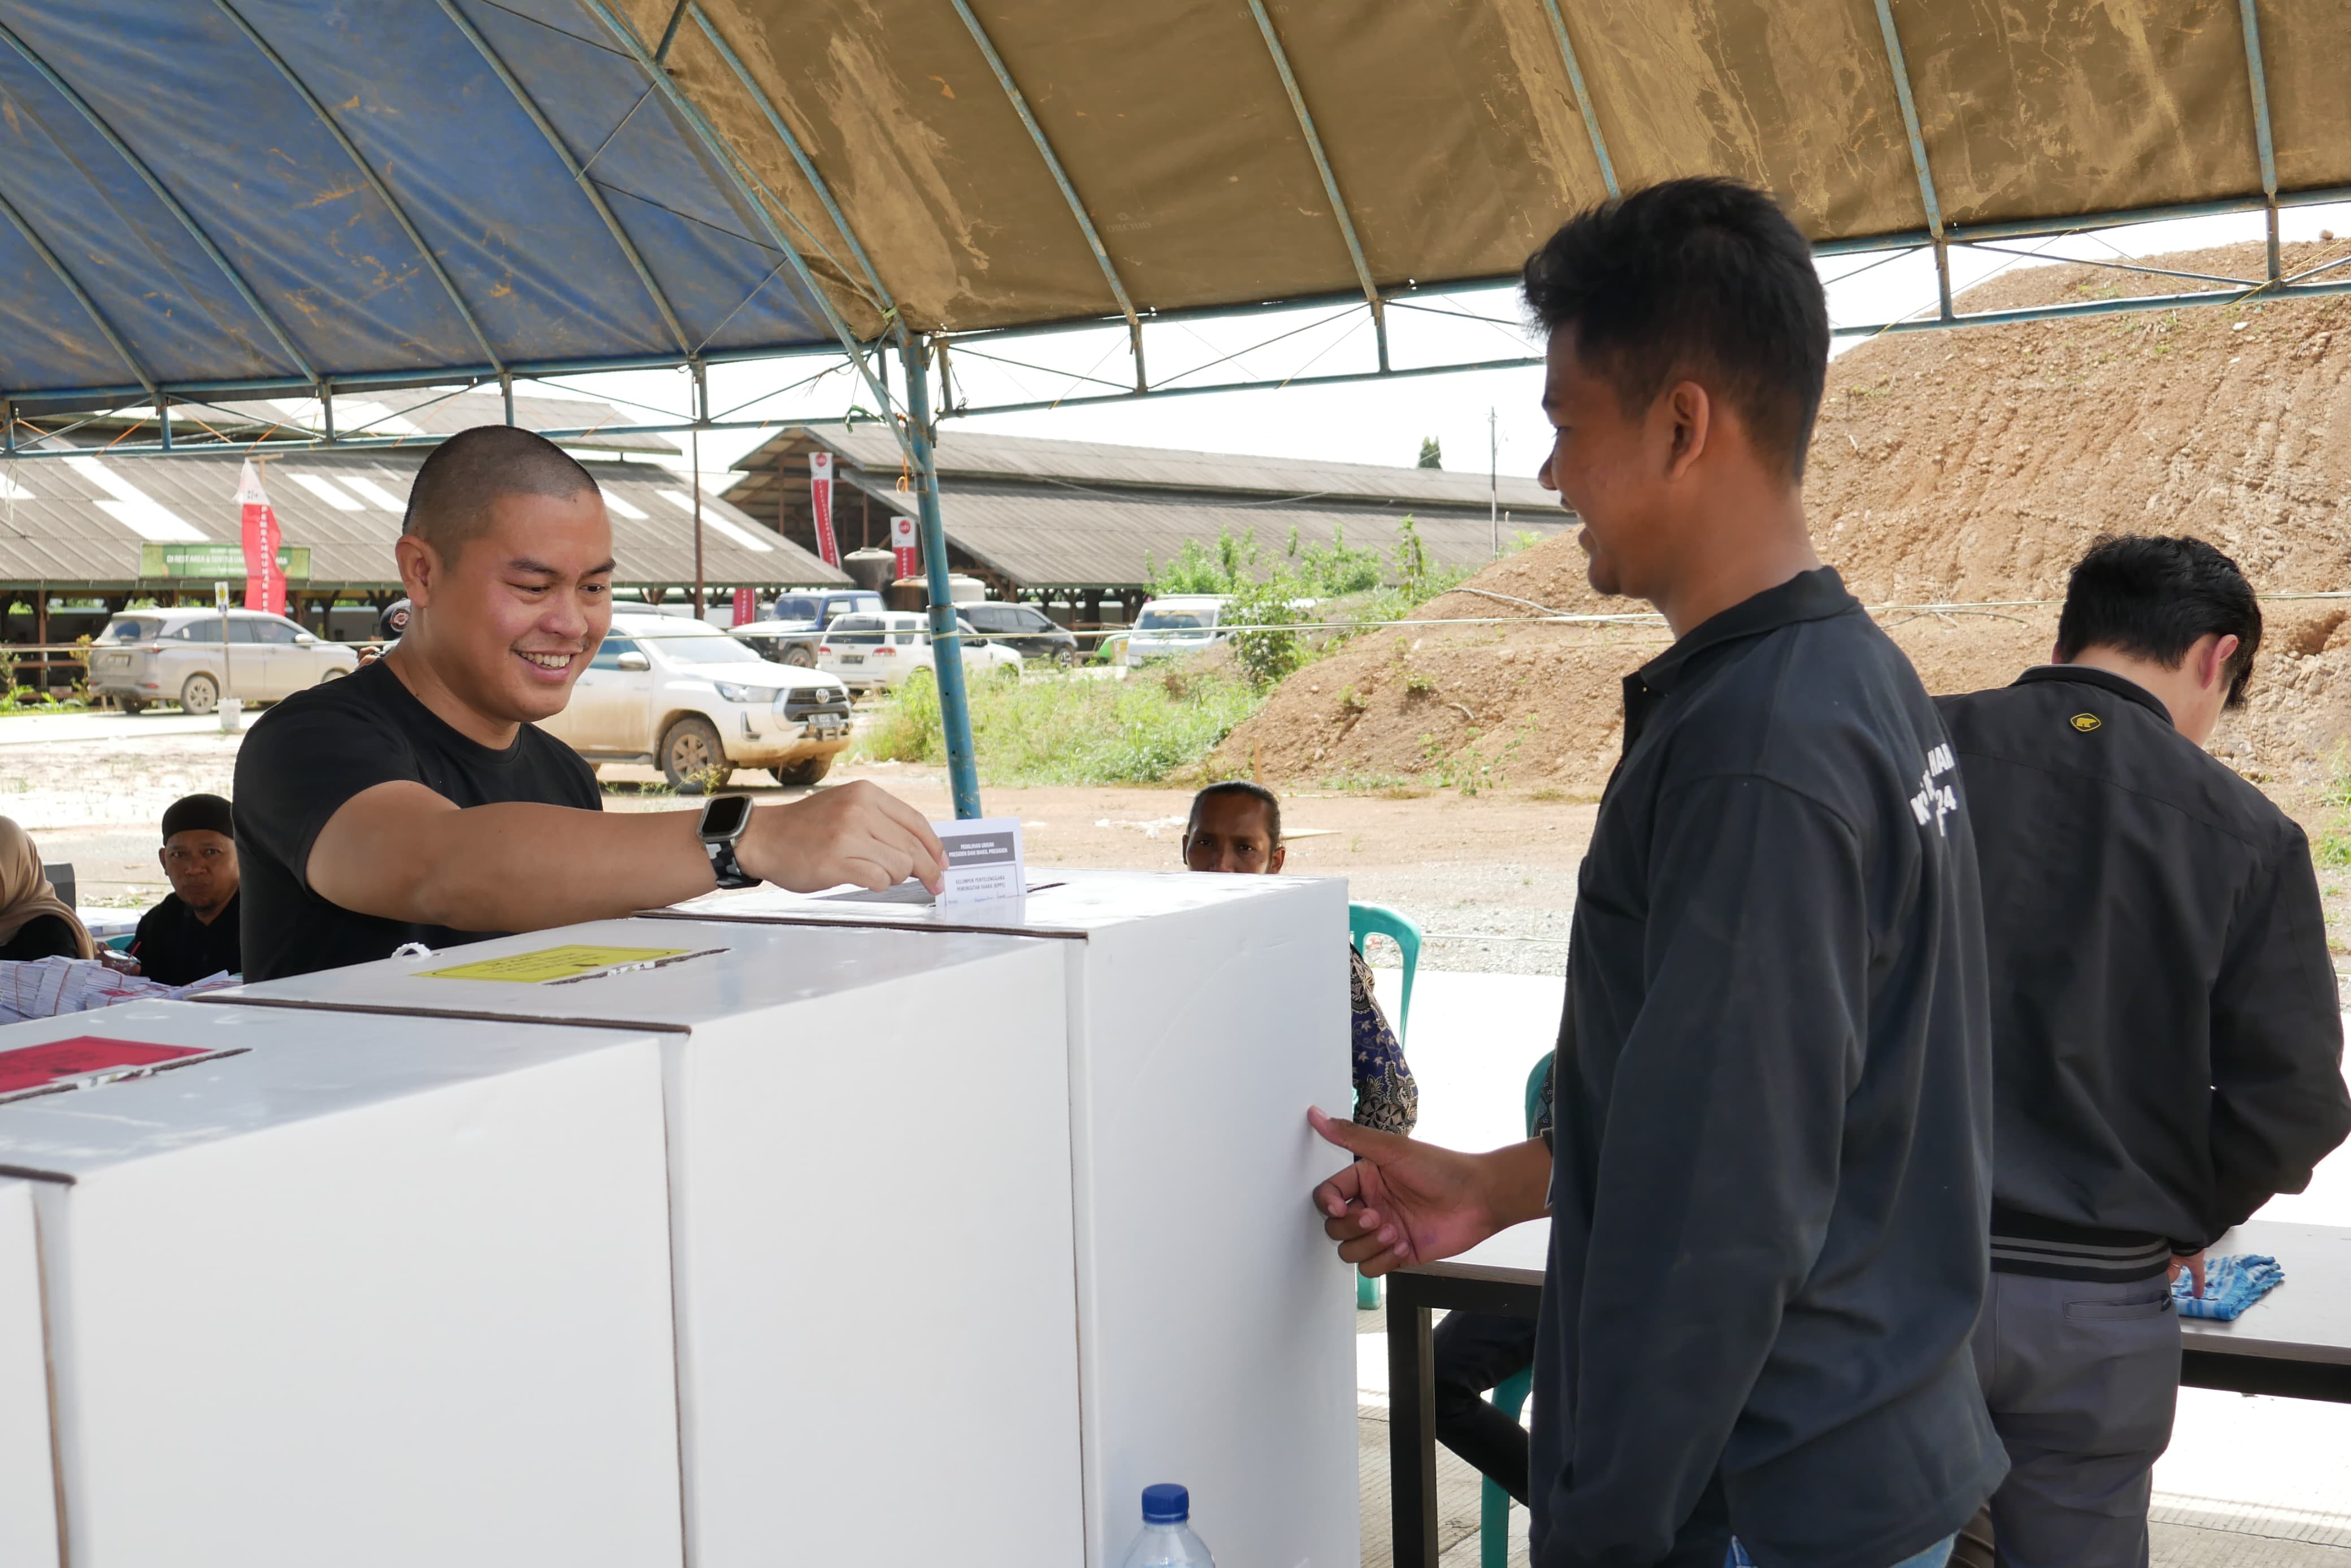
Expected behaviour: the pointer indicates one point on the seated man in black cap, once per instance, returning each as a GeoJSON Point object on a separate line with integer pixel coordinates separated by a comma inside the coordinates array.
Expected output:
{"type": "Point", "coordinates": [193, 934]}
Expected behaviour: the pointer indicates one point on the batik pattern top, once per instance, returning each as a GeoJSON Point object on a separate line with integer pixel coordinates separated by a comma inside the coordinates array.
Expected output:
{"type": "Point", "coordinates": [1385, 1097]}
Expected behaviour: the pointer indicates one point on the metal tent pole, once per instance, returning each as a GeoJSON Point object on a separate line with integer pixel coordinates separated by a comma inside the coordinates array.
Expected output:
{"type": "Point", "coordinates": [946, 643]}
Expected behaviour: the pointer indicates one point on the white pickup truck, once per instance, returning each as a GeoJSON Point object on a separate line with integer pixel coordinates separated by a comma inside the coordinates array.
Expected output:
{"type": "Point", "coordinates": [688, 698]}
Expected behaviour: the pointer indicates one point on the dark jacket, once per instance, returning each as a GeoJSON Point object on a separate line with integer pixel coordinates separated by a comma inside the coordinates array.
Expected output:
{"type": "Point", "coordinates": [2167, 1050]}
{"type": "Point", "coordinates": [1772, 1120]}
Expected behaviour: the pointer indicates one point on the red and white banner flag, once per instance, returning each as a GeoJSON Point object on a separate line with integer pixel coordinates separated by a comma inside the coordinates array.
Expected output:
{"type": "Point", "coordinates": [820, 504]}
{"type": "Point", "coordinates": [904, 545]}
{"type": "Point", "coordinates": [747, 606]}
{"type": "Point", "coordinates": [265, 582]}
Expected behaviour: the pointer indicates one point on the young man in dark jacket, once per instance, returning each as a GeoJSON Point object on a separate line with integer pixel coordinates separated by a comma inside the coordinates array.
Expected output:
{"type": "Point", "coordinates": [2166, 1046]}
{"type": "Point", "coordinates": [1772, 1107]}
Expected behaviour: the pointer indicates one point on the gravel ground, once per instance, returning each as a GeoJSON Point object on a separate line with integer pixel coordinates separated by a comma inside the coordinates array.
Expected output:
{"type": "Point", "coordinates": [1488, 879]}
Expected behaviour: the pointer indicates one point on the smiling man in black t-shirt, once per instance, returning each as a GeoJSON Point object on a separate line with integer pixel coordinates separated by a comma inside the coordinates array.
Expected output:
{"type": "Point", "coordinates": [414, 800]}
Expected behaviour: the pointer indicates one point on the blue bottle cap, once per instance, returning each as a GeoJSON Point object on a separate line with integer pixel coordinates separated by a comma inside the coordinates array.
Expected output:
{"type": "Point", "coordinates": [1166, 1503]}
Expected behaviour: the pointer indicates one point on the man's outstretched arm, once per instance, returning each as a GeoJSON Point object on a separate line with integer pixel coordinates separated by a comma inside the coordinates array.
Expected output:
{"type": "Point", "coordinates": [1404, 1201]}
{"type": "Point", "coordinates": [399, 851]}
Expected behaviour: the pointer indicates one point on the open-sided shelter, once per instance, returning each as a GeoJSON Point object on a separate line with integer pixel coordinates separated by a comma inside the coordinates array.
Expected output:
{"type": "Point", "coordinates": [271, 197]}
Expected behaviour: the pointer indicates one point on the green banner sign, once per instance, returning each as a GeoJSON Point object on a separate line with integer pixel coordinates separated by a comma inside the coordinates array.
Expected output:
{"type": "Point", "coordinates": [217, 561]}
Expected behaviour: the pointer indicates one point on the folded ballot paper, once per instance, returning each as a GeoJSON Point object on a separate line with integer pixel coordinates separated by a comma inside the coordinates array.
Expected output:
{"type": "Point", "coordinates": [983, 861]}
{"type": "Point", "coordinates": [45, 988]}
{"type": "Point", "coordinates": [2232, 1284]}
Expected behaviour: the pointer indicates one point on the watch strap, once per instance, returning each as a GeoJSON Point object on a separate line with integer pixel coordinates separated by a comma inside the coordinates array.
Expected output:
{"type": "Point", "coordinates": [725, 867]}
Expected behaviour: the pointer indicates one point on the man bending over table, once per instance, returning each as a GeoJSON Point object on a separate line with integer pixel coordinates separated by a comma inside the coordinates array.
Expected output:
{"type": "Point", "coordinates": [2166, 1055]}
{"type": "Point", "coordinates": [416, 801]}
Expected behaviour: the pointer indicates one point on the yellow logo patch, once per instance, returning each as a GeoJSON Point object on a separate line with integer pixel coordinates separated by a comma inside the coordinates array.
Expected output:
{"type": "Point", "coordinates": [2085, 722]}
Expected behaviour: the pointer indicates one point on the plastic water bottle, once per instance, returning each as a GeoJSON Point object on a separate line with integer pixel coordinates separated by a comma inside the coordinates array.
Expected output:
{"type": "Point", "coordinates": [1166, 1541]}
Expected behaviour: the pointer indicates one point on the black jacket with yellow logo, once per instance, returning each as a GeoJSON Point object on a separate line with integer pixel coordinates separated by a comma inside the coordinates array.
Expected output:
{"type": "Point", "coordinates": [2166, 1046]}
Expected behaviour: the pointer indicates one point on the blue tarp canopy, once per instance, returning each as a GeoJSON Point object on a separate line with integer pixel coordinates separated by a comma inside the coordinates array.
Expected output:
{"type": "Point", "coordinates": [211, 197]}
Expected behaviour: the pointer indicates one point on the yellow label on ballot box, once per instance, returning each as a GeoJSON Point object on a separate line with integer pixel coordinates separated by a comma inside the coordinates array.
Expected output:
{"type": "Point", "coordinates": [544, 964]}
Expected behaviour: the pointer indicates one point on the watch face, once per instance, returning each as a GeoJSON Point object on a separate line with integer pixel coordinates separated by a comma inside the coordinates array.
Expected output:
{"type": "Point", "coordinates": [725, 816]}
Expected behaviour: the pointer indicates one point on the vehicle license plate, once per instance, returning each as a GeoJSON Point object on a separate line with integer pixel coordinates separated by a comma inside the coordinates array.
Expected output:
{"type": "Point", "coordinates": [825, 724]}
{"type": "Point", "coordinates": [852, 658]}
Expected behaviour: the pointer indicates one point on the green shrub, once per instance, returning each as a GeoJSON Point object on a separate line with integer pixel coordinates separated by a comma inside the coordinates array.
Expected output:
{"type": "Point", "coordinates": [1059, 731]}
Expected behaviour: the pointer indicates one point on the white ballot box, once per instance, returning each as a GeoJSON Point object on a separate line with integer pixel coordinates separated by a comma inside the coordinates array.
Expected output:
{"type": "Point", "coordinates": [1216, 1326]}
{"type": "Point", "coordinates": [28, 1492]}
{"type": "Point", "coordinates": [343, 1290]}
{"type": "Point", "coordinates": [869, 1187]}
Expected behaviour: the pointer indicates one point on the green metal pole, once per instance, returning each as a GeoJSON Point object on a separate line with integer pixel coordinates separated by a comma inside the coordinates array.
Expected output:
{"type": "Point", "coordinates": [946, 643]}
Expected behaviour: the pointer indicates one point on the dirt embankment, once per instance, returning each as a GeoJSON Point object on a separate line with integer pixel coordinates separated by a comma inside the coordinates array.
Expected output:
{"type": "Point", "coordinates": [1967, 467]}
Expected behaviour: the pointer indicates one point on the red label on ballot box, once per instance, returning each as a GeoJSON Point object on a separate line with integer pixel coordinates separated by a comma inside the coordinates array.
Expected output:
{"type": "Point", "coordinates": [34, 1066]}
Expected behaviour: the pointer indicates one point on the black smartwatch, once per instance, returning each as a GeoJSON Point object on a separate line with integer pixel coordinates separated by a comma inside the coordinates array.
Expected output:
{"type": "Point", "coordinates": [724, 818]}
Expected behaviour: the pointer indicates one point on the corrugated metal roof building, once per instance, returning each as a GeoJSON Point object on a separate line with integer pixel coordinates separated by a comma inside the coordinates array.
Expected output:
{"type": "Point", "coordinates": [1081, 521]}
{"type": "Point", "coordinates": [92, 525]}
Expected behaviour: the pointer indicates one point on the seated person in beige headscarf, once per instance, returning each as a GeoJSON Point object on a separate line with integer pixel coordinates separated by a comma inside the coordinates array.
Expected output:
{"type": "Point", "coordinates": [35, 923]}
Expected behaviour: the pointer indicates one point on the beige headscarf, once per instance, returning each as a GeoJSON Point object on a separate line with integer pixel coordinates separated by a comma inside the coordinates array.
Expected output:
{"type": "Point", "coordinates": [25, 891]}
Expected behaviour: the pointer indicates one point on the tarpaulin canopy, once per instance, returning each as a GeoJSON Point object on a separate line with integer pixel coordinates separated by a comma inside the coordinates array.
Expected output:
{"type": "Point", "coordinates": [1223, 152]}
{"type": "Point", "coordinates": [212, 195]}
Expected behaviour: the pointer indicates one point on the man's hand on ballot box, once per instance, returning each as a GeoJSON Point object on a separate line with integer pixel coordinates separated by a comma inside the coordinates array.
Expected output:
{"type": "Point", "coordinates": [1409, 1202]}
{"type": "Point", "coordinates": [856, 833]}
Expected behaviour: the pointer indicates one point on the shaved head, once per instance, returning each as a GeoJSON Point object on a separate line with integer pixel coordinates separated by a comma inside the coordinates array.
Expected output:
{"type": "Point", "coordinates": [449, 504]}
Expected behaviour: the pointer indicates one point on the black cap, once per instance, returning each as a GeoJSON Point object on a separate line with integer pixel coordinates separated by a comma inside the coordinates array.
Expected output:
{"type": "Point", "coordinates": [208, 813]}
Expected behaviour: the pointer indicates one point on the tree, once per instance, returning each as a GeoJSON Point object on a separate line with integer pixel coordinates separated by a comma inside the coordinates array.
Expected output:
{"type": "Point", "coordinates": [1432, 452]}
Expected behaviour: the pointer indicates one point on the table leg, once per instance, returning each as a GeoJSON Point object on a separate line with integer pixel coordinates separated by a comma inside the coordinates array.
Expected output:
{"type": "Point", "coordinates": [1412, 1426]}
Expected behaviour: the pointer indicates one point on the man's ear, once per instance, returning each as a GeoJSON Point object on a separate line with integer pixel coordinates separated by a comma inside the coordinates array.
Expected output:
{"type": "Point", "coordinates": [419, 569]}
{"type": "Point", "coordinates": [2057, 654]}
{"type": "Point", "coordinates": [161, 860]}
{"type": "Point", "coordinates": [1274, 862]}
{"type": "Point", "coordinates": [2213, 669]}
{"type": "Point", "coordinates": [1691, 411]}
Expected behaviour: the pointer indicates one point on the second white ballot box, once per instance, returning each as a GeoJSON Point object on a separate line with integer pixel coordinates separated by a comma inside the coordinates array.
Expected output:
{"type": "Point", "coordinates": [869, 1182]}
{"type": "Point", "coordinates": [1216, 1326]}
{"type": "Point", "coordinates": [366, 1291]}
{"type": "Point", "coordinates": [28, 1494]}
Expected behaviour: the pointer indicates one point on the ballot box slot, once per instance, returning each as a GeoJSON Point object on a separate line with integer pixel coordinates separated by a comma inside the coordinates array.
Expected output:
{"type": "Point", "coordinates": [247, 1000]}
{"type": "Point", "coordinates": [909, 891]}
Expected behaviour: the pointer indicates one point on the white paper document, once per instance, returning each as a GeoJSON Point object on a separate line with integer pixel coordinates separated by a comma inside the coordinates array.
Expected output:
{"type": "Point", "coordinates": [983, 861]}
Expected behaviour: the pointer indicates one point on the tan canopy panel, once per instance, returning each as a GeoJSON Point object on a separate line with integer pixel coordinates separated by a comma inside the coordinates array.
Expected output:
{"type": "Point", "coordinates": [1001, 165]}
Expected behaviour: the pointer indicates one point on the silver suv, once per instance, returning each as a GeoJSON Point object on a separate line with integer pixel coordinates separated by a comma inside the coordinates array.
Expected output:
{"type": "Point", "coordinates": [688, 698]}
{"type": "Point", "coordinates": [146, 656]}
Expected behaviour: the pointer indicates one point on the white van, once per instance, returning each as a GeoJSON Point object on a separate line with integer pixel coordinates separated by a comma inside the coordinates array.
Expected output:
{"type": "Point", "coordinates": [1179, 624]}
{"type": "Point", "coordinates": [149, 656]}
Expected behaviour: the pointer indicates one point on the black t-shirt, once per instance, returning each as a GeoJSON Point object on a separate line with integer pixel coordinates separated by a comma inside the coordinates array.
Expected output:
{"type": "Point", "coordinates": [318, 748]}
{"type": "Point", "coordinates": [175, 948]}
{"type": "Point", "coordinates": [42, 937]}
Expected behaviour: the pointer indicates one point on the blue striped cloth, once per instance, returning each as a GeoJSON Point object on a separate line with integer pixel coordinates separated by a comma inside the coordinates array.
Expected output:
{"type": "Point", "coordinates": [2232, 1284]}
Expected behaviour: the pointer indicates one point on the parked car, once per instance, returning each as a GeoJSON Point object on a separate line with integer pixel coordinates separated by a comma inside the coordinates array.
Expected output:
{"type": "Point", "coordinates": [685, 697]}
{"type": "Point", "coordinates": [1179, 624]}
{"type": "Point", "coordinates": [881, 651]}
{"type": "Point", "coordinates": [146, 656]}
{"type": "Point", "coordinates": [1023, 628]}
{"type": "Point", "coordinates": [790, 634]}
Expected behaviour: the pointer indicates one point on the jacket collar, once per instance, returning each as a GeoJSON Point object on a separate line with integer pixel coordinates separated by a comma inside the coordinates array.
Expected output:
{"type": "Point", "coordinates": [2104, 680]}
{"type": "Point", "coordinates": [1813, 595]}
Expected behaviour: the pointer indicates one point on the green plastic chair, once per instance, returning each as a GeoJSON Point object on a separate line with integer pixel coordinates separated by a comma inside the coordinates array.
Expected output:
{"type": "Point", "coordinates": [1510, 1396]}
{"type": "Point", "coordinates": [121, 942]}
{"type": "Point", "coordinates": [1377, 920]}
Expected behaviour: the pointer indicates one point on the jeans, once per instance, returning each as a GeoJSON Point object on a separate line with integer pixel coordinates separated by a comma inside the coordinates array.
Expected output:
{"type": "Point", "coordinates": [1935, 1556]}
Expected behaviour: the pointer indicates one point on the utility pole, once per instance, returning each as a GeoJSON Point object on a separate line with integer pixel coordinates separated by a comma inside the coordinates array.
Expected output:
{"type": "Point", "coordinates": [1493, 481]}
{"type": "Point", "coordinates": [701, 413]}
